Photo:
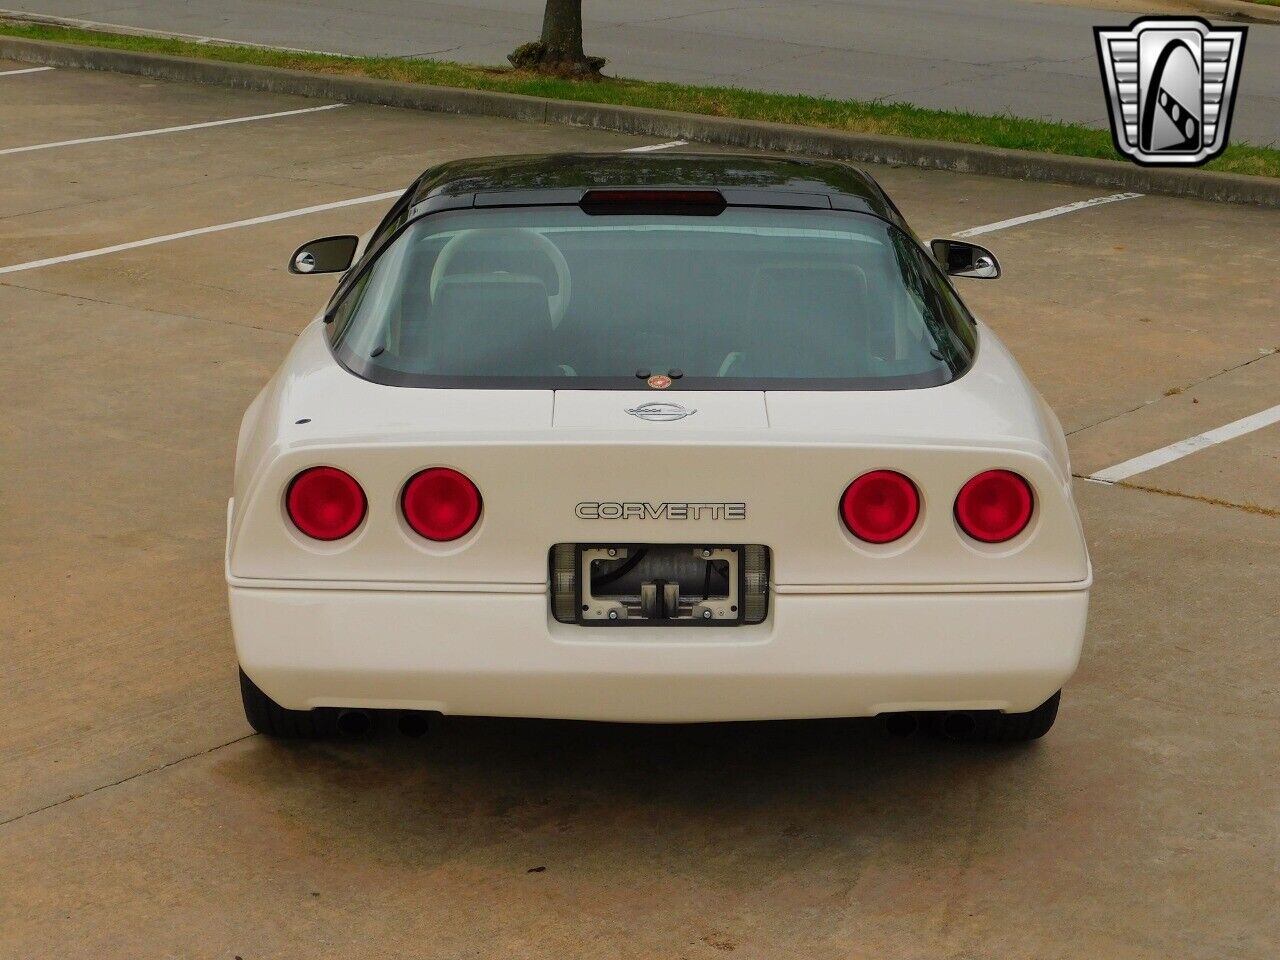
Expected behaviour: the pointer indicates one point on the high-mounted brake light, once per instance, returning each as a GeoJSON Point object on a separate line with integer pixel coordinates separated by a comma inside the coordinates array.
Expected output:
{"type": "Point", "coordinates": [440, 504]}
{"type": "Point", "coordinates": [325, 503]}
{"type": "Point", "coordinates": [994, 506]}
{"type": "Point", "coordinates": [880, 506]}
{"type": "Point", "coordinates": [649, 201]}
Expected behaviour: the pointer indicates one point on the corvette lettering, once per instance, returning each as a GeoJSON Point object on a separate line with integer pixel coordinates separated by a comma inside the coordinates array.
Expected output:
{"type": "Point", "coordinates": [604, 510]}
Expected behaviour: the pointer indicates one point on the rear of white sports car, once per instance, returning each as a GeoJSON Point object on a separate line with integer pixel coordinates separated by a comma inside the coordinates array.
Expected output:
{"type": "Point", "coordinates": [643, 462]}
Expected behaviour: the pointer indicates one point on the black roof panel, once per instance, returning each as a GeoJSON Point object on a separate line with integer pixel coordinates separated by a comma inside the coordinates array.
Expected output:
{"type": "Point", "coordinates": [562, 171]}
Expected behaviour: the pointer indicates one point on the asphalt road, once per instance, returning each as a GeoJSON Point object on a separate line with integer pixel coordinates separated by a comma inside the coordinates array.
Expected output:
{"type": "Point", "coordinates": [1026, 59]}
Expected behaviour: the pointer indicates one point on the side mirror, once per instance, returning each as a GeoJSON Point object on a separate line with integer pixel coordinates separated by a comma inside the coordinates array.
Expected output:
{"type": "Point", "coordinates": [960, 259]}
{"type": "Point", "coordinates": [327, 255]}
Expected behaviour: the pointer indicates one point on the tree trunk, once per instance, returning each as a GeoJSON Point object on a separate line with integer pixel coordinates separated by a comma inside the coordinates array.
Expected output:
{"type": "Point", "coordinates": [559, 51]}
{"type": "Point", "coordinates": [562, 31]}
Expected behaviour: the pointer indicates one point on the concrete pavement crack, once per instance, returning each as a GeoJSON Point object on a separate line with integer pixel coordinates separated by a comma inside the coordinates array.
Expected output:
{"type": "Point", "coordinates": [1183, 387]}
{"type": "Point", "coordinates": [140, 309]}
{"type": "Point", "coordinates": [430, 53]}
{"type": "Point", "coordinates": [679, 16]}
{"type": "Point", "coordinates": [116, 783]}
{"type": "Point", "coordinates": [1245, 507]}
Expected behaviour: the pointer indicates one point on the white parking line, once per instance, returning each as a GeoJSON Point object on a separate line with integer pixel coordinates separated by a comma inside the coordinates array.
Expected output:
{"type": "Point", "coordinates": [199, 231]}
{"type": "Point", "coordinates": [10, 73]}
{"type": "Point", "coordinates": [657, 146]}
{"type": "Point", "coordinates": [159, 130]}
{"type": "Point", "coordinates": [1046, 214]}
{"type": "Point", "coordinates": [1176, 451]}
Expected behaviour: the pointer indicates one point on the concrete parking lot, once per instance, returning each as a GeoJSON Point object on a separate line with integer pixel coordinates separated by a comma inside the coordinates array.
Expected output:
{"type": "Point", "coordinates": [140, 818]}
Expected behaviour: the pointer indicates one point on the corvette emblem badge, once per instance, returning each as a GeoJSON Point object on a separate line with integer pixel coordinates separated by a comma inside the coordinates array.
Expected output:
{"type": "Point", "coordinates": [661, 411]}
{"type": "Point", "coordinates": [1171, 85]}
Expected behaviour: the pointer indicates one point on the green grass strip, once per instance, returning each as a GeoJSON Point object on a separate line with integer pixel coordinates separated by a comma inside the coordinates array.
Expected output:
{"type": "Point", "coordinates": [889, 119]}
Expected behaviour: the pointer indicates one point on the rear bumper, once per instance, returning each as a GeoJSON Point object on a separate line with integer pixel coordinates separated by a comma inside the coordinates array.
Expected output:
{"type": "Point", "coordinates": [500, 654]}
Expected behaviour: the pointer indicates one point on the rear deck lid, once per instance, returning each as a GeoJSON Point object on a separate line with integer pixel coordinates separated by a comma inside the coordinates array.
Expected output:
{"type": "Point", "coordinates": [659, 415]}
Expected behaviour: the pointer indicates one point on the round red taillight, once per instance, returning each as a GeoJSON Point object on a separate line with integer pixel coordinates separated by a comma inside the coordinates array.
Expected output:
{"type": "Point", "coordinates": [325, 503]}
{"type": "Point", "coordinates": [880, 506]}
{"type": "Point", "coordinates": [440, 504]}
{"type": "Point", "coordinates": [994, 506]}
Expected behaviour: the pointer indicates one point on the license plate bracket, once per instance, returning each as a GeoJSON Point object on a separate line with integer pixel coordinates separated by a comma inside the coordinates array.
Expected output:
{"type": "Point", "coordinates": [659, 584]}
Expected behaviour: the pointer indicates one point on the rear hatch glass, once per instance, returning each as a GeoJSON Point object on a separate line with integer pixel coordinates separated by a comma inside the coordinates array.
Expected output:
{"type": "Point", "coordinates": [750, 298]}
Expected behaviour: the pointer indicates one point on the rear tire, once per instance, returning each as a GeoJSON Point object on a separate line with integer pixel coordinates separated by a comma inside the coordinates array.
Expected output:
{"type": "Point", "coordinates": [269, 718]}
{"type": "Point", "coordinates": [990, 726]}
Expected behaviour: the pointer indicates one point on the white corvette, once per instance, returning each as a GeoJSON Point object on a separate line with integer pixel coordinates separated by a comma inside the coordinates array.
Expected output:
{"type": "Point", "coordinates": [652, 438]}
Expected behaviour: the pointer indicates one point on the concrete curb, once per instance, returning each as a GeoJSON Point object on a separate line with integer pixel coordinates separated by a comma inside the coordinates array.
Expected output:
{"type": "Point", "coordinates": [663, 124]}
